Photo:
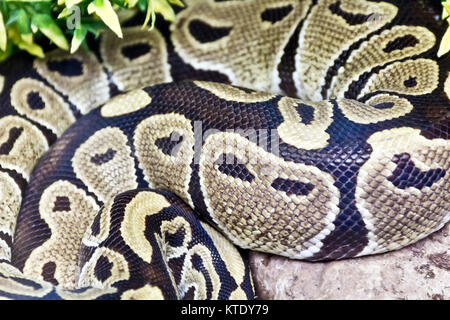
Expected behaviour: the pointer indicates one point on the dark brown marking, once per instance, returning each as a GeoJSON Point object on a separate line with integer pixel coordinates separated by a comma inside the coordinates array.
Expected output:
{"type": "Point", "coordinates": [170, 145]}
{"type": "Point", "coordinates": [274, 15]}
{"type": "Point", "coordinates": [103, 158]}
{"type": "Point", "coordinates": [407, 175]}
{"type": "Point", "coordinates": [292, 186]}
{"type": "Point", "coordinates": [61, 204]}
{"type": "Point", "coordinates": [48, 273]}
{"type": "Point", "coordinates": [102, 270]}
{"type": "Point", "coordinates": [135, 50]}
{"type": "Point", "coordinates": [401, 43]}
{"type": "Point", "coordinates": [35, 101]}
{"type": "Point", "coordinates": [67, 67]}
{"type": "Point", "coordinates": [14, 134]}
{"type": "Point", "coordinates": [351, 18]}
{"type": "Point", "coordinates": [205, 33]}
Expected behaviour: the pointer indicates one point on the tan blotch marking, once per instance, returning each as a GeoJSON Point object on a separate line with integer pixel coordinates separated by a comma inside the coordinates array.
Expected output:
{"type": "Point", "coordinates": [104, 163]}
{"type": "Point", "coordinates": [230, 93]}
{"type": "Point", "coordinates": [56, 114]}
{"type": "Point", "coordinates": [88, 294]}
{"type": "Point", "coordinates": [145, 70]}
{"type": "Point", "coordinates": [12, 286]}
{"type": "Point", "coordinates": [86, 91]}
{"type": "Point", "coordinates": [6, 269]}
{"type": "Point", "coordinates": [366, 113]}
{"type": "Point", "coordinates": [67, 224]}
{"type": "Point", "coordinates": [166, 171]}
{"type": "Point", "coordinates": [326, 35]}
{"type": "Point", "coordinates": [232, 259]}
{"type": "Point", "coordinates": [91, 240]}
{"type": "Point", "coordinates": [235, 54]}
{"type": "Point", "coordinates": [133, 225]}
{"type": "Point", "coordinates": [373, 53]}
{"type": "Point", "coordinates": [29, 145]}
{"type": "Point", "coordinates": [305, 136]}
{"type": "Point", "coordinates": [447, 86]}
{"type": "Point", "coordinates": [172, 227]}
{"type": "Point", "coordinates": [147, 292]}
{"type": "Point", "coordinates": [119, 269]}
{"type": "Point", "coordinates": [126, 103]}
{"type": "Point", "coordinates": [192, 278]}
{"type": "Point", "coordinates": [10, 199]}
{"type": "Point", "coordinates": [255, 215]}
{"type": "Point", "coordinates": [394, 78]}
{"type": "Point", "coordinates": [2, 83]}
{"type": "Point", "coordinates": [397, 217]}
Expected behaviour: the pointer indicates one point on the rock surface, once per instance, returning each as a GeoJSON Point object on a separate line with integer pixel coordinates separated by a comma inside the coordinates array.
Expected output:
{"type": "Point", "coordinates": [419, 271]}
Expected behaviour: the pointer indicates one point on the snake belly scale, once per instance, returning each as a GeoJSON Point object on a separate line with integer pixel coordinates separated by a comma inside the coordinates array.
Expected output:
{"type": "Point", "coordinates": [147, 167]}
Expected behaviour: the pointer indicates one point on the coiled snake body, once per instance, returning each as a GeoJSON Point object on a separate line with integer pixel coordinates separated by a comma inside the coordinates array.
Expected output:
{"type": "Point", "coordinates": [342, 151]}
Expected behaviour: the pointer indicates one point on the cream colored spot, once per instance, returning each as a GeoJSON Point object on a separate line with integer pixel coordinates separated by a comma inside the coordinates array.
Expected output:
{"type": "Point", "coordinates": [412, 77]}
{"type": "Point", "coordinates": [126, 103]}
{"type": "Point", "coordinates": [366, 113]}
{"type": "Point", "coordinates": [6, 269]}
{"type": "Point", "coordinates": [232, 259]}
{"type": "Point", "coordinates": [145, 70]}
{"type": "Point", "coordinates": [250, 54]}
{"type": "Point", "coordinates": [230, 93]}
{"type": "Point", "coordinates": [255, 215]}
{"type": "Point", "coordinates": [91, 240]}
{"type": "Point", "coordinates": [68, 211]}
{"type": "Point", "coordinates": [12, 286]}
{"type": "Point", "coordinates": [29, 145]}
{"type": "Point", "coordinates": [133, 226]}
{"type": "Point", "coordinates": [192, 278]}
{"type": "Point", "coordinates": [305, 136]}
{"type": "Point", "coordinates": [396, 217]}
{"type": "Point", "coordinates": [119, 269]}
{"type": "Point", "coordinates": [325, 35]}
{"type": "Point", "coordinates": [86, 90]}
{"type": "Point", "coordinates": [10, 199]}
{"type": "Point", "coordinates": [447, 86]}
{"type": "Point", "coordinates": [147, 292]}
{"type": "Point", "coordinates": [2, 83]}
{"type": "Point", "coordinates": [55, 115]}
{"type": "Point", "coordinates": [166, 171]}
{"type": "Point", "coordinates": [376, 52]}
{"type": "Point", "coordinates": [104, 163]}
{"type": "Point", "coordinates": [172, 227]}
{"type": "Point", "coordinates": [88, 294]}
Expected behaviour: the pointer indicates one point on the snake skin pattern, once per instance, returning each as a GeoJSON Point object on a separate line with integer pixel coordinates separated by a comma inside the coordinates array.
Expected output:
{"type": "Point", "coordinates": [136, 171]}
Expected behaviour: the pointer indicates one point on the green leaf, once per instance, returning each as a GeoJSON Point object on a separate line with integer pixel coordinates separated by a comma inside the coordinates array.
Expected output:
{"type": "Point", "coordinates": [150, 13]}
{"type": "Point", "coordinates": [92, 26]}
{"type": "Point", "coordinates": [3, 34]}
{"type": "Point", "coordinates": [177, 3]}
{"type": "Point", "coordinates": [131, 3]}
{"type": "Point", "coordinates": [32, 48]}
{"type": "Point", "coordinates": [7, 52]}
{"type": "Point", "coordinates": [21, 18]}
{"type": "Point", "coordinates": [47, 26]}
{"type": "Point", "coordinates": [71, 3]}
{"type": "Point", "coordinates": [446, 9]}
{"type": "Point", "coordinates": [106, 12]}
{"type": "Point", "coordinates": [78, 38]}
{"type": "Point", "coordinates": [163, 7]}
{"type": "Point", "coordinates": [445, 43]}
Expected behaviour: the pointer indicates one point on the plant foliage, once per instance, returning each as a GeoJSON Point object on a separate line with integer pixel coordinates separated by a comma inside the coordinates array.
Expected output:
{"type": "Point", "coordinates": [67, 22]}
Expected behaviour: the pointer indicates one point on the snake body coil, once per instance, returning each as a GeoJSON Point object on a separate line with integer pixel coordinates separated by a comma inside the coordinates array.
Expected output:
{"type": "Point", "coordinates": [342, 150]}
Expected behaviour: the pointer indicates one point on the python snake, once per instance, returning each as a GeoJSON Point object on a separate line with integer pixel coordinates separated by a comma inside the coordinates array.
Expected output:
{"type": "Point", "coordinates": [136, 171]}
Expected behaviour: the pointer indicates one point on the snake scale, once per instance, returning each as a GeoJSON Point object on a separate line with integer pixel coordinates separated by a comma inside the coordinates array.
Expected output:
{"type": "Point", "coordinates": [146, 167]}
